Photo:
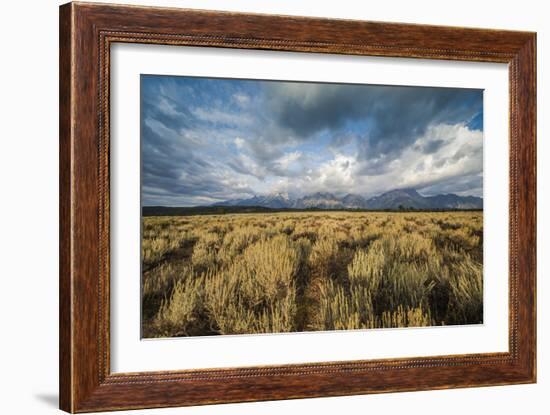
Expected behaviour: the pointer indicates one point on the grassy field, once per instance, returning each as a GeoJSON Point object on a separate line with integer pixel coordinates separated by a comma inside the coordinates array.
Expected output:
{"type": "Point", "coordinates": [304, 271]}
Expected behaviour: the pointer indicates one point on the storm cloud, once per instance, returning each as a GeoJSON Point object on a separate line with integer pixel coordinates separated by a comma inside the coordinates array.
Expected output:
{"type": "Point", "coordinates": [205, 140]}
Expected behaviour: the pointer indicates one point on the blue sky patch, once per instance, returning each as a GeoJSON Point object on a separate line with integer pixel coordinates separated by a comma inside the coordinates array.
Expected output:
{"type": "Point", "coordinates": [206, 140]}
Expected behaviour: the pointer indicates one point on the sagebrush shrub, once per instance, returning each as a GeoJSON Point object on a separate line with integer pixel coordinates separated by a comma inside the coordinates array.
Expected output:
{"type": "Point", "coordinates": [281, 272]}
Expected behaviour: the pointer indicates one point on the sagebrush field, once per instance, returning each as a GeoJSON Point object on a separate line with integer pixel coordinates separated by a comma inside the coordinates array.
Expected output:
{"type": "Point", "coordinates": [306, 271]}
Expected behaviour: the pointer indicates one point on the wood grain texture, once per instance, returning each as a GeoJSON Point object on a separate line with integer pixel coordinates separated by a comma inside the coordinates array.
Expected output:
{"type": "Point", "coordinates": [65, 247]}
{"type": "Point", "coordinates": [86, 33]}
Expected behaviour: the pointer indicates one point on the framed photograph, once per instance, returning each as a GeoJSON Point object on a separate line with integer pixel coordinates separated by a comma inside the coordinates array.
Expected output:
{"type": "Point", "coordinates": [258, 207]}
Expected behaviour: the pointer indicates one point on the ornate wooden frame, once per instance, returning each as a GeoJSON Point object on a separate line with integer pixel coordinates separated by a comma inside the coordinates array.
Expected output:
{"type": "Point", "coordinates": [86, 33]}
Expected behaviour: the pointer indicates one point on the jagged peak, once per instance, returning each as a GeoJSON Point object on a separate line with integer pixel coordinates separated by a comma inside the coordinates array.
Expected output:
{"type": "Point", "coordinates": [393, 199]}
{"type": "Point", "coordinates": [326, 195]}
{"type": "Point", "coordinates": [411, 191]}
{"type": "Point", "coordinates": [282, 195]}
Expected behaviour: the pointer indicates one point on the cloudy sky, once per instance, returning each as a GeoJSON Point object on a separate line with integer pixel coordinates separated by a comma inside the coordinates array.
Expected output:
{"type": "Point", "coordinates": [206, 140]}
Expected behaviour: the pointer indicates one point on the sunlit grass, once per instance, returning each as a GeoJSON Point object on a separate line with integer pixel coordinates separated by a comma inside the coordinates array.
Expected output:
{"type": "Point", "coordinates": [299, 271]}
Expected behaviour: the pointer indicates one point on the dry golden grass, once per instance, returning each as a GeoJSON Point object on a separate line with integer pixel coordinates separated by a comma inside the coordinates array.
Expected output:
{"type": "Point", "coordinates": [302, 271]}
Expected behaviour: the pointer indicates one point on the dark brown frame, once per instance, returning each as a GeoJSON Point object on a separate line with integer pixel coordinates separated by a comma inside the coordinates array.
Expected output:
{"type": "Point", "coordinates": [86, 33]}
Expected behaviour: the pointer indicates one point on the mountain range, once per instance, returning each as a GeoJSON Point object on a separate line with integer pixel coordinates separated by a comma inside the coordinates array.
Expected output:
{"type": "Point", "coordinates": [392, 200]}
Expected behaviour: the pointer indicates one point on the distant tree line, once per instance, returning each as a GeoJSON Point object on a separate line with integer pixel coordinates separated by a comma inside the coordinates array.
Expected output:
{"type": "Point", "coordinates": [222, 210]}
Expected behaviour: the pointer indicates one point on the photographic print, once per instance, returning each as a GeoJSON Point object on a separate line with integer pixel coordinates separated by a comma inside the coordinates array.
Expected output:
{"type": "Point", "coordinates": [276, 206]}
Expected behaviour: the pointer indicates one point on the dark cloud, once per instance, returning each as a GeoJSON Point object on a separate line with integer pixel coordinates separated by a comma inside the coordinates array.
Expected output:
{"type": "Point", "coordinates": [431, 146]}
{"type": "Point", "coordinates": [396, 116]}
{"type": "Point", "coordinates": [471, 184]}
{"type": "Point", "coordinates": [204, 140]}
{"type": "Point", "coordinates": [376, 166]}
{"type": "Point", "coordinates": [171, 167]}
